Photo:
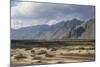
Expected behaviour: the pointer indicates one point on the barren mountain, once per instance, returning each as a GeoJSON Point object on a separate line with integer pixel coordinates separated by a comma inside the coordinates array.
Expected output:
{"type": "Point", "coordinates": [73, 29]}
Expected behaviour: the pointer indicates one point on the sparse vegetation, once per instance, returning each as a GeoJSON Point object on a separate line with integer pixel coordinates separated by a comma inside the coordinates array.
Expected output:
{"type": "Point", "coordinates": [20, 57]}
{"type": "Point", "coordinates": [58, 53]}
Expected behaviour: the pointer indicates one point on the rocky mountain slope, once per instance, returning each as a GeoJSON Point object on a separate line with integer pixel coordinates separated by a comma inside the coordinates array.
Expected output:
{"type": "Point", "coordinates": [73, 29]}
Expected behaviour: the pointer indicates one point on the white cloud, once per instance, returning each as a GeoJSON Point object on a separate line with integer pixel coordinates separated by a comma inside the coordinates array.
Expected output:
{"type": "Point", "coordinates": [18, 23]}
{"type": "Point", "coordinates": [24, 8]}
{"type": "Point", "coordinates": [51, 22]}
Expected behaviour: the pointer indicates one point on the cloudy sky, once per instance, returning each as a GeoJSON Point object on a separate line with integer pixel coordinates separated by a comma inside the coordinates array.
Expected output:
{"type": "Point", "coordinates": [25, 14]}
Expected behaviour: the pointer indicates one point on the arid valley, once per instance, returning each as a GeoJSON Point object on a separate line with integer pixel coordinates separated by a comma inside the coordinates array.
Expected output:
{"type": "Point", "coordinates": [57, 52]}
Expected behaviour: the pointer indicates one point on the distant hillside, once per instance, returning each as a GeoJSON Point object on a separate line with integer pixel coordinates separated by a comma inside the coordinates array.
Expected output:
{"type": "Point", "coordinates": [73, 29]}
{"type": "Point", "coordinates": [84, 31]}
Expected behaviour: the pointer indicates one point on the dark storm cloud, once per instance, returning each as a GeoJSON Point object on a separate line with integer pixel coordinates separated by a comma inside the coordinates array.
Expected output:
{"type": "Point", "coordinates": [60, 11]}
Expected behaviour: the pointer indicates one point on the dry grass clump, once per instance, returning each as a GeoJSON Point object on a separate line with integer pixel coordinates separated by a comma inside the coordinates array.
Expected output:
{"type": "Point", "coordinates": [50, 54]}
{"type": "Point", "coordinates": [60, 62]}
{"type": "Point", "coordinates": [42, 52]}
{"type": "Point", "coordinates": [32, 51]}
{"type": "Point", "coordinates": [38, 57]}
{"type": "Point", "coordinates": [20, 57]}
{"type": "Point", "coordinates": [54, 49]}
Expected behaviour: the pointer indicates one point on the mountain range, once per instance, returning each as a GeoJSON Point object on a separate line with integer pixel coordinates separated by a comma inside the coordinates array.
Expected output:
{"type": "Point", "coordinates": [71, 29]}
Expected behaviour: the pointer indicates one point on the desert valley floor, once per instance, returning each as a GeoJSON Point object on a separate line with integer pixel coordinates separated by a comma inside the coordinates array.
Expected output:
{"type": "Point", "coordinates": [44, 52]}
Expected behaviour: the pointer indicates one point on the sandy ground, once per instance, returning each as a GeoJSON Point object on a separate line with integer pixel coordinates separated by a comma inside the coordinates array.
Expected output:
{"type": "Point", "coordinates": [36, 55]}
